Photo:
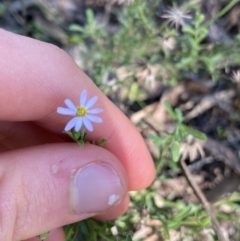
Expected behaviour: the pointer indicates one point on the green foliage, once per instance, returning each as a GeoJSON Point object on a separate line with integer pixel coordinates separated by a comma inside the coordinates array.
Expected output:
{"type": "Point", "coordinates": [169, 145]}
{"type": "Point", "coordinates": [172, 214]}
{"type": "Point", "coordinates": [191, 216]}
{"type": "Point", "coordinates": [89, 230]}
{"type": "Point", "coordinates": [138, 40]}
{"type": "Point", "coordinates": [109, 50]}
{"type": "Point", "coordinates": [80, 137]}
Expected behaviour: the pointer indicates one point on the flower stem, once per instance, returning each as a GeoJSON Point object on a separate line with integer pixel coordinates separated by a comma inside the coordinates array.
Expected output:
{"type": "Point", "coordinates": [222, 12]}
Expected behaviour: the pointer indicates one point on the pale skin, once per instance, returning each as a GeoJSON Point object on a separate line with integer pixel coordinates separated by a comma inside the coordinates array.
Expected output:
{"type": "Point", "coordinates": [35, 79]}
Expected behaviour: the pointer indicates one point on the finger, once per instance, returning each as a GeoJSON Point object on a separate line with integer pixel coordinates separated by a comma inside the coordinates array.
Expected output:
{"type": "Point", "coordinates": [55, 235]}
{"type": "Point", "coordinates": [42, 79]}
{"type": "Point", "coordinates": [53, 185]}
{"type": "Point", "coordinates": [24, 134]}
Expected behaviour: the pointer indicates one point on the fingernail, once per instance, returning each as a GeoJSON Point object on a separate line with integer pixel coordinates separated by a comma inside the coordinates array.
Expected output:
{"type": "Point", "coordinates": [96, 188]}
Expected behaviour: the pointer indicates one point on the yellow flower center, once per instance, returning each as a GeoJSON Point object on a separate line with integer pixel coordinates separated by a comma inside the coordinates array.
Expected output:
{"type": "Point", "coordinates": [81, 111]}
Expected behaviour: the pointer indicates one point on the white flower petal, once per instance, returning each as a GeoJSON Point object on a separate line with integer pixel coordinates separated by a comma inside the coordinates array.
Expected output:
{"type": "Point", "coordinates": [95, 111]}
{"type": "Point", "coordinates": [65, 111]}
{"type": "Point", "coordinates": [94, 118]}
{"type": "Point", "coordinates": [79, 121]}
{"type": "Point", "coordinates": [71, 124]}
{"type": "Point", "coordinates": [83, 98]}
{"type": "Point", "coordinates": [70, 105]}
{"type": "Point", "coordinates": [79, 124]}
{"type": "Point", "coordinates": [91, 102]}
{"type": "Point", "coordinates": [87, 123]}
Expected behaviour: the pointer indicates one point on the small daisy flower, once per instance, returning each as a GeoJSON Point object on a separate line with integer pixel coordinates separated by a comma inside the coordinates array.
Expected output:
{"type": "Point", "coordinates": [83, 114]}
{"type": "Point", "coordinates": [176, 16]}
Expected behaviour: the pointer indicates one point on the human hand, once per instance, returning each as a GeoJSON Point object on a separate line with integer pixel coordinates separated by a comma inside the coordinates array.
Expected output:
{"type": "Point", "coordinates": [45, 180]}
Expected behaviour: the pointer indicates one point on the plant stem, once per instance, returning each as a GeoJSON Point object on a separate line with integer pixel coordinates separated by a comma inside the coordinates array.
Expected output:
{"type": "Point", "coordinates": [160, 165]}
{"type": "Point", "coordinates": [207, 206]}
{"type": "Point", "coordinates": [222, 12]}
{"type": "Point", "coordinates": [143, 17]}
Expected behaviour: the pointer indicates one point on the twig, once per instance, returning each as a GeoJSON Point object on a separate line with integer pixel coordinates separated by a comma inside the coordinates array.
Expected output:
{"type": "Point", "coordinates": [222, 12]}
{"type": "Point", "coordinates": [207, 206]}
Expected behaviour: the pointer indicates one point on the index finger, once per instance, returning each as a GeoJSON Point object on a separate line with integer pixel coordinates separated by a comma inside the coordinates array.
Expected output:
{"type": "Point", "coordinates": [36, 78]}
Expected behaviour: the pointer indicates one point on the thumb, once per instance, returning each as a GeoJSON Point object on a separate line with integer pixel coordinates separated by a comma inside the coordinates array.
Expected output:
{"type": "Point", "coordinates": [50, 186]}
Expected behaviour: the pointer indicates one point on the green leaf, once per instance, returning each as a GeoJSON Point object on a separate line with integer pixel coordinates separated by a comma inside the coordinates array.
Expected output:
{"type": "Point", "coordinates": [202, 34]}
{"type": "Point", "coordinates": [43, 236]}
{"type": "Point", "coordinates": [169, 110]}
{"type": "Point", "coordinates": [166, 230]}
{"type": "Point", "coordinates": [153, 137]}
{"type": "Point", "coordinates": [84, 228]}
{"type": "Point", "coordinates": [76, 135]}
{"type": "Point", "coordinates": [90, 19]}
{"type": "Point", "coordinates": [81, 143]}
{"type": "Point", "coordinates": [175, 151]}
{"type": "Point", "coordinates": [174, 224]}
{"type": "Point", "coordinates": [184, 213]}
{"type": "Point", "coordinates": [102, 142]}
{"type": "Point", "coordinates": [76, 28]}
{"type": "Point", "coordinates": [70, 134]}
{"type": "Point", "coordinates": [129, 238]}
{"type": "Point", "coordinates": [159, 141]}
{"type": "Point", "coordinates": [179, 133]}
{"type": "Point", "coordinates": [188, 29]}
{"type": "Point", "coordinates": [179, 114]}
{"type": "Point", "coordinates": [197, 134]}
{"type": "Point", "coordinates": [199, 19]}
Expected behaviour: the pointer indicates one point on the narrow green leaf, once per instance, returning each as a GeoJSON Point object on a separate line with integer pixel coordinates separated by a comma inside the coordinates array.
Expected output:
{"type": "Point", "coordinates": [44, 235]}
{"type": "Point", "coordinates": [81, 143]}
{"type": "Point", "coordinates": [188, 29]}
{"type": "Point", "coordinates": [179, 133]}
{"type": "Point", "coordinates": [187, 211]}
{"type": "Point", "coordinates": [159, 141]}
{"type": "Point", "coordinates": [179, 114]}
{"type": "Point", "coordinates": [76, 28]}
{"type": "Point", "coordinates": [70, 134]}
{"type": "Point", "coordinates": [90, 19]}
{"type": "Point", "coordinates": [197, 134]}
{"type": "Point", "coordinates": [90, 15]}
{"type": "Point", "coordinates": [175, 151]}
{"type": "Point", "coordinates": [153, 137]}
{"type": "Point", "coordinates": [199, 19]}
{"type": "Point", "coordinates": [76, 135]}
{"type": "Point", "coordinates": [102, 142]}
{"type": "Point", "coordinates": [129, 237]}
{"type": "Point", "coordinates": [84, 228]}
{"type": "Point", "coordinates": [174, 224]}
{"type": "Point", "coordinates": [166, 231]}
{"type": "Point", "coordinates": [169, 110]}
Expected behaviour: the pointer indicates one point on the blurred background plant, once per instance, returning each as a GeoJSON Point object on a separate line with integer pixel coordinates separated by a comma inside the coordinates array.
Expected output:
{"type": "Point", "coordinates": [173, 68]}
